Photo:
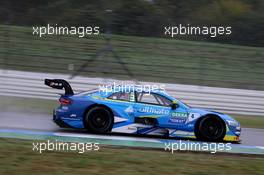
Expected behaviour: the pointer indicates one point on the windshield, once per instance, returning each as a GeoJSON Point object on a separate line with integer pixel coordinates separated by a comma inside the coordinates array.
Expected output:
{"type": "Point", "coordinates": [173, 98]}
{"type": "Point", "coordinates": [186, 105]}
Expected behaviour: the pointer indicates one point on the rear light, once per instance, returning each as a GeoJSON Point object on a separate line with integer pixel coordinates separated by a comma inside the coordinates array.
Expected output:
{"type": "Point", "coordinates": [64, 101]}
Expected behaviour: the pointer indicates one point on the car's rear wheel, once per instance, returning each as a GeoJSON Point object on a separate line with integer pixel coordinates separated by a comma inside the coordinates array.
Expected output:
{"type": "Point", "coordinates": [210, 128]}
{"type": "Point", "coordinates": [99, 120]}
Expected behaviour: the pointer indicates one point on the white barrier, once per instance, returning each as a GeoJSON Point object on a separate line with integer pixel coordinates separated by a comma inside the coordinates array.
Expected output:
{"type": "Point", "coordinates": [233, 101]}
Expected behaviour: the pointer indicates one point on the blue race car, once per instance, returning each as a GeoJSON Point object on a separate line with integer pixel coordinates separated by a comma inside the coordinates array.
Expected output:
{"type": "Point", "coordinates": [136, 111]}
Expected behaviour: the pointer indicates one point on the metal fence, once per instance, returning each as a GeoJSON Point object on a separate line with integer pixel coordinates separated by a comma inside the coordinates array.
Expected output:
{"type": "Point", "coordinates": [148, 59]}
{"type": "Point", "coordinates": [233, 101]}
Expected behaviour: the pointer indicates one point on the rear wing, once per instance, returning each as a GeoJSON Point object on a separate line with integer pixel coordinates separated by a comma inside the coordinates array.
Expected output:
{"type": "Point", "coordinates": [59, 84]}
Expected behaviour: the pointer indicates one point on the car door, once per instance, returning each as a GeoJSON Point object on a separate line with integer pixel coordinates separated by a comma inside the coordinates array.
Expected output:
{"type": "Point", "coordinates": [158, 107]}
{"type": "Point", "coordinates": [121, 103]}
{"type": "Point", "coordinates": [148, 105]}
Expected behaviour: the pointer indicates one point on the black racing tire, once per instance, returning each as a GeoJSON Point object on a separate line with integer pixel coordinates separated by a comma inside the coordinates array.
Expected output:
{"type": "Point", "coordinates": [210, 128]}
{"type": "Point", "coordinates": [99, 120]}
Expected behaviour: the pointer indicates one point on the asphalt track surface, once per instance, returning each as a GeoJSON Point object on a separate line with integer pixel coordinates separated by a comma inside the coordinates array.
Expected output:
{"type": "Point", "coordinates": [43, 122]}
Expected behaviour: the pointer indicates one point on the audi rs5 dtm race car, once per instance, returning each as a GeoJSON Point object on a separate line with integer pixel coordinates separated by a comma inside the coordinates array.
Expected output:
{"type": "Point", "coordinates": [151, 112]}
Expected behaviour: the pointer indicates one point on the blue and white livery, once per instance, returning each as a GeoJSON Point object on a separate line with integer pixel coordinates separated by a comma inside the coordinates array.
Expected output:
{"type": "Point", "coordinates": [136, 111]}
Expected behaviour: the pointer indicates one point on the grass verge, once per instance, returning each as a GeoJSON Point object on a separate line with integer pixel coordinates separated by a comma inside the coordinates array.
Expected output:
{"type": "Point", "coordinates": [27, 105]}
{"type": "Point", "coordinates": [250, 121]}
{"type": "Point", "coordinates": [17, 157]}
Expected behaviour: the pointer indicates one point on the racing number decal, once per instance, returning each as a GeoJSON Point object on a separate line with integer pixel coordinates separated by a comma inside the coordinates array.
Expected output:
{"type": "Point", "coordinates": [183, 117]}
{"type": "Point", "coordinates": [132, 97]}
{"type": "Point", "coordinates": [192, 117]}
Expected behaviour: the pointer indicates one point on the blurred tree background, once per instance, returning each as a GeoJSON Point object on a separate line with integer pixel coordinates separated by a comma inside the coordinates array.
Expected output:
{"type": "Point", "coordinates": [144, 17]}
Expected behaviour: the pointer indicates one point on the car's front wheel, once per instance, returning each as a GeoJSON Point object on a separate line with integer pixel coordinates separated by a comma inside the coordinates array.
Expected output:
{"type": "Point", "coordinates": [210, 128]}
{"type": "Point", "coordinates": [99, 120]}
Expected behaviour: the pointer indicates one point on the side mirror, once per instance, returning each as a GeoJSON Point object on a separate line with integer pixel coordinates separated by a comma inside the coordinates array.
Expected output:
{"type": "Point", "coordinates": [174, 105]}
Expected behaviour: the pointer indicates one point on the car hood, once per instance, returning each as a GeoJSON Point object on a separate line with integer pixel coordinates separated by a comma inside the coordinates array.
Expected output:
{"type": "Point", "coordinates": [204, 111]}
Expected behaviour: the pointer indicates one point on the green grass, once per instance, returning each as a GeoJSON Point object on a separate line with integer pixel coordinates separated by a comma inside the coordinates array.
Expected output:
{"type": "Point", "coordinates": [19, 104]}
{"type": "Point", "coordinates": [250, 121]}
{"type": "Point", "coordinates": [149, 59]}
{"type": "Point", "coordinates": [17, 157]}
{"type": "Point", "coordinates": [27, 105]}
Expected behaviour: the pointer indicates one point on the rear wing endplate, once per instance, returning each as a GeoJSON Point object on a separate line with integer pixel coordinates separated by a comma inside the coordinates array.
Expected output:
{"type": "Point", "coordinates": [59, 84]}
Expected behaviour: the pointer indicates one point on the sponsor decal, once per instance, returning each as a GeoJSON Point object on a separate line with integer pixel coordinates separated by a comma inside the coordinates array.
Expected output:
{"type": "Point", "coordinates": [52, 83]}
{"type": "Point", "coordinates": [153, 110]}
{"type": "Point", "coordinates": [129, 109]}
{"type": "Point", "coordinates": [177, 120]}
{"type": "Point", "coordinates": [179, 115]}
{"type": "Point", "coordinates": [190, 125]}
{"type": "Point", "coordinates": [182, 117]}
{"type": "Point", "coordinates": [132, 128]}
{"type": "Point", "coordinates": [65, 108]}
{"type": "Point", "coordinates": [73, 116]}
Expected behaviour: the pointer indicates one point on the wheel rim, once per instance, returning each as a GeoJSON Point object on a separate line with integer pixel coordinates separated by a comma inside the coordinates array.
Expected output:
{"type": "Point", "coordinates": [212, 128]}
{"type": "Point", "coordinates": [99, 119]}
